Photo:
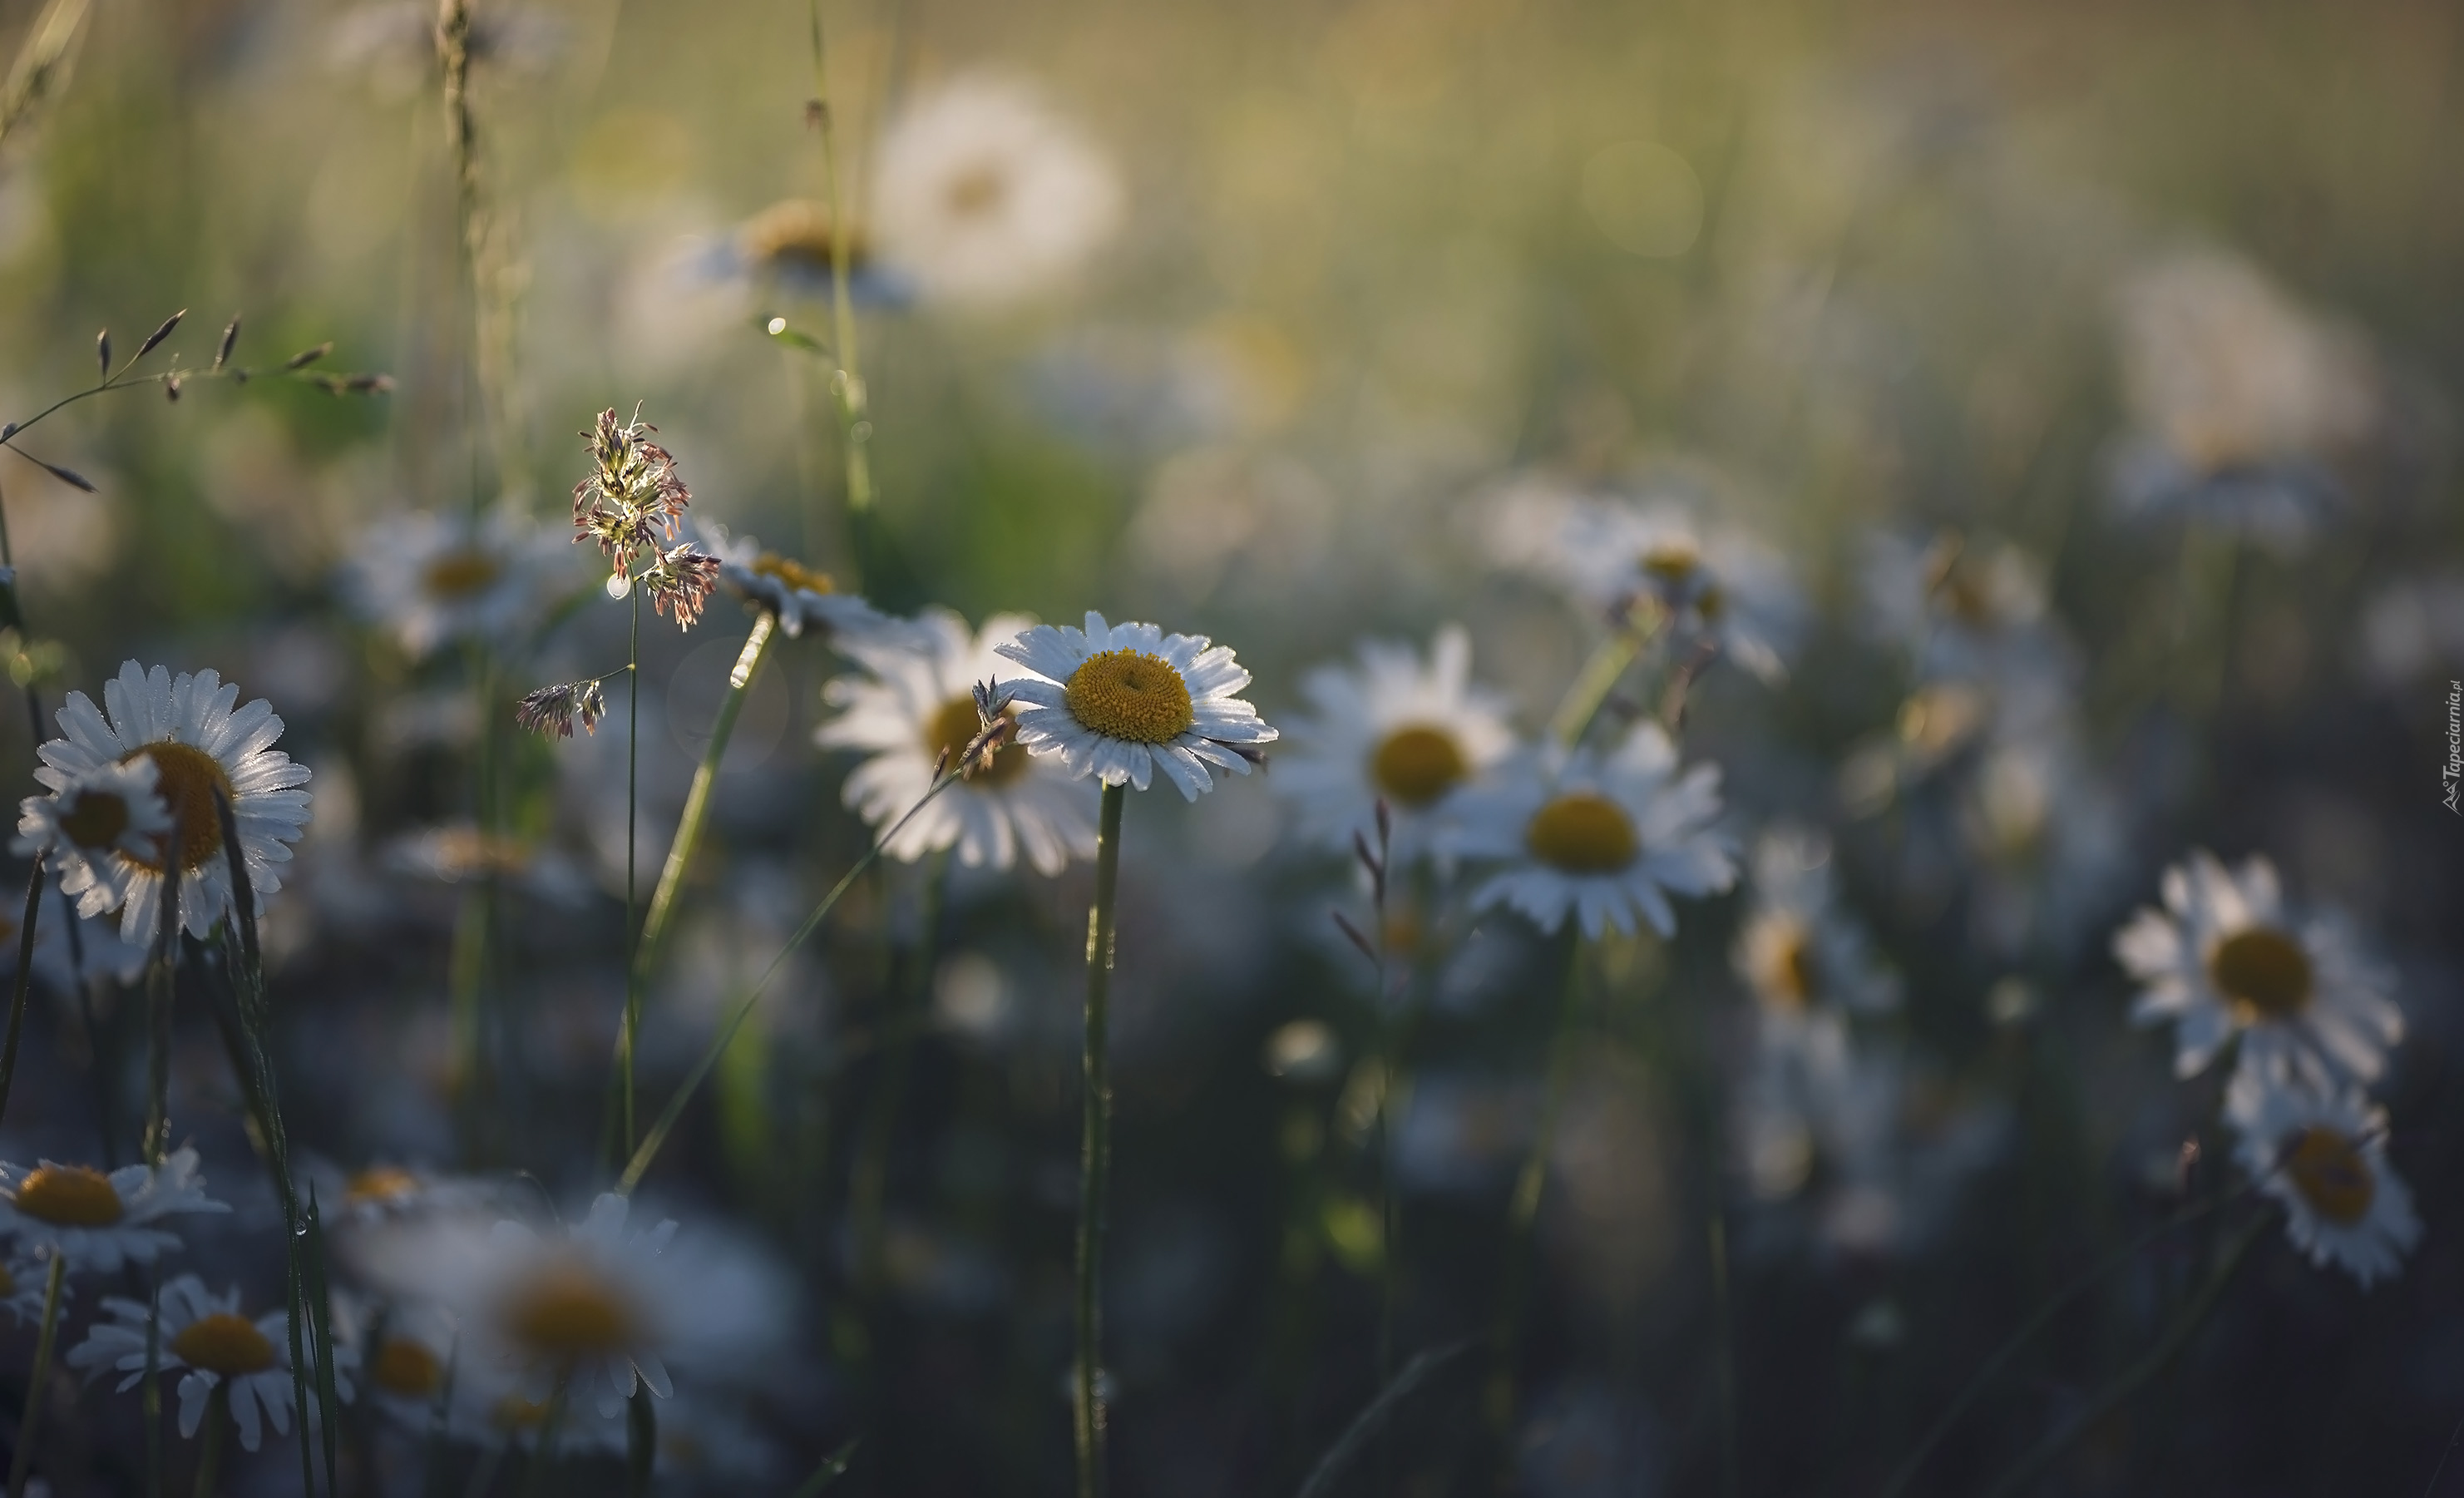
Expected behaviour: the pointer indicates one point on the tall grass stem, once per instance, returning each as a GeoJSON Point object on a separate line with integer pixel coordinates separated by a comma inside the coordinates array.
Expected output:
{"type": "Point", "coordinates": [37, 1377]}
{"type": "Point", "coordinates": [1095, 1144]}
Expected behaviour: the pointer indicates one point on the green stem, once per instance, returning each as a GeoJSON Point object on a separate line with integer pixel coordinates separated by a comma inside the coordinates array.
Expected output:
{"type": "Point", "coordinates": [1600, 674]}
{"type": "Point", "coordinates": [2023, 1476]}
{"type": "Point", "coordinates": [210, 1460]}
{"type": "Point", "coordinates": [847, 383]}
{"type": "Point", "coordinates": [161, 984]}
{"type": "Point", "coordinates": [696, 813]}
{"type": "Point", "coordinates": [633, 933]}
{"type": "Point", "coordinates": [37, 1378]}
{"type": "Point", "coordinates": [25, 981]}
{"type": "Point", "coordinates": [1523, 1212]}
{"type": "Point", "coordinates": [1095, 1145]}
{"type": "Point", "coordinates": [909, 997]}
{"type": "Point", "coordinates": [1724, 1342]}
{"type": "Point", "coordinates": [150, 1399]}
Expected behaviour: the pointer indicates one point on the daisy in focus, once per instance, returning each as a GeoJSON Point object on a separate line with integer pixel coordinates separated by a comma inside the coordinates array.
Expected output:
{"type": "Point", "coordinates": [98, 1221]}
{"type": "Point", "coordinates": [1123, 701]}
{"type": "Point", "coordinates": [206, 1339]}
{"type": "Point", "coordinates": [984, 196]}
{"type": "Point", "coordinates": [915, 706]}
{"type": "Point", "coordinates": [2224, 959]}
{"type": "Point", "coordinates": [199, 746]}
{"type": "Point", "coordinates": [1393, 728]}
{"type": "Point", "coordinates": [1798, 953]}
{"type": "Point", "coordinates": [800, 597]}
{"type": "Point", "coordinates": [1599, 836]}
{"type": "Point", "coordinates": [2323, 1156]}
{"type": "Point", "coordinates": [434, 580]}
{"type": "Point", "coordinates": [1709, 587]}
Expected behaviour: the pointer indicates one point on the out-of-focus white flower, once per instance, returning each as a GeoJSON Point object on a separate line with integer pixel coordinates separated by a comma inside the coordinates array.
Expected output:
{"type": "Point", "coordinates": [199, 746]}
{"type": "Point", "coordinates": [432, 580]}
{"type": "Point", "coordinates": [2410, 627]}
{"type": "Point", "coordinates": [22, 1286]}
{"type": "Point", "coordinates": [2323, 1155]}
{"type": "Point", "coordinates": [789, 246]}
{"type": "Point", "coordinates": [916, 706]}
{"type": "Point", "coordinates": [801, 598]}
{"type": "Point", "coordinates": [1712, 585]}
{"type": "Point", "coordinates": [205, 1339]}
{"type": "Point", "coordinates": [1963, 608]}
{"type": "Point", "coordinates": [1599, 836]}
{"type": "Point", "coordinates": [1797, 952]}
{"type": "Point", "coordinates": [98, 1221]}
{"type": "Point", "coordinates": [1121, 701]}
{"type": "Point", "coordinates": [1396, 729]}
{"type": "Point", "coordinates": [983, 195]}
{"type": "Point", "coordinates": [2237, 397]}
{"type": "Point", "coordinates": [2225, 958]}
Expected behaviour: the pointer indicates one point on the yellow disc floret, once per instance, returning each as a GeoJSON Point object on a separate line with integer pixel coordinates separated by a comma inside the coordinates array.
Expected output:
{"type": "Point", "coordinates": [223, 1344]}
{"type": "Point", "coordinates": [955, 726]}
{"type": "Point", "coordinates": [380, 1185]}
{"type": "Point", "coordinates": [2265, 972]}
{"type": "Point", "coordinates": [1583, 833]}
{"type": "Point", "coordinates": [69, 1196]}
{"type": "Point", "coordinates": [1131, 695]}
{"type": "Point", "coordinates": [568, 1310]}
{"type": "Point", "coordinates": [187, 777]}
{"type": "Point", "coordinates": [407, 1368]}
{"type": "Point", "coordinates": [97, 821]}
{"type": "Point", "coordinates": [459, 574]}
{"type": "Point", "coordinates": [1416, 765]}
{"type": "Point", "coordinates": [797, 576]}
{"type": "Point", "coordinates": [2330, 1173]}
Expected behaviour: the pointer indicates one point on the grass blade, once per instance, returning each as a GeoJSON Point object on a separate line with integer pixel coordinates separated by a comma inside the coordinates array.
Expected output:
{"type": "Point", "coordinates": [1369, 1421]}
{"type": "Point", "coordinates": [833, 1467]}
{"type": "Point", "coordinates": [25, 981]}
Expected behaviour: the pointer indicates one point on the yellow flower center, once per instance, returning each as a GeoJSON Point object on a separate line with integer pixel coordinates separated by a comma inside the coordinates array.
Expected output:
{"type": "Point", "coordinates": [791, 572]}
{"type": "Point", "coordinates": [1583, 833]}
{"type": "Point", "coordinates": [407, 1368]}
{"type": "Point", "coordinates": [977, 190]}
{"type": "Point", "coordinates": [1792, 971]}
{"type": "Point", "coordinates": [2263, 972]}
{"type": "Point", "coordinates": [567, 1310]}
{"type": "Point", "coordinates": [97, 821]}
{"type": "Point", "coordinates": [380, 1185]}
{"type": "Point", "coordinates": [1131, 695]}
{"type": "Point", "coordinates": [799, 233]}
{"type": "Point", "coordinates": [1672, 560]}
{"type": "Point", "coordinates": [459, 574]}
{"type": "Point", "coordinates": [512, 1412]}
{"type": "Point", "coordinates": [955, 726]}
{"type": "Point", "coordinates": [223, 1344]}
{"type": "Point", "coordinates": [2330, 1173]}
{"type": "Point", "coordinates": [69, 1196]}
{"type": "Point", "coordinates": [1417, 766]}
{"type": "Point", "coordinates": [187, 777]}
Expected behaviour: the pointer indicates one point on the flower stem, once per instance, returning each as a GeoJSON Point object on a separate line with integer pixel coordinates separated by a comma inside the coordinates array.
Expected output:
{"type": "Point", "coordinates": [25, 980]}
{"type": "Point", "coordinates": [150, 1399]}
{"type": "Point", "coordinates": [210, 1460]}
{"type": "Point", "coordinates": [1600, 674]}
{"type": "Point", "coordinates": [1723, 1341]}
{"type": "Point", "coordinates": [696, 813]}
{"type": "Point", "coordinates": [1095, 1146]}
{"type": "Point", "coordinates": [1523, 1212]}
{"type": "Point", "coordinates": [161, 984]}
{"type": "Point", "coordinates": [37, 1377]}
{"type": "Point", "coordinates": [847, 381]}
{"type": "Point", "coordinates": [632, 935]}
{"type": "Point", "coordinates": [868, 1190]}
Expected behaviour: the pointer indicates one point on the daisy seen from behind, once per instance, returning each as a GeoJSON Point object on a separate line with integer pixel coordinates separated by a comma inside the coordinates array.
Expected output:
{"type": "Point", "coordinates": [2323, 1156]}
{"type": "Point", "coordinates": [798, 597]}
{"type": "Point", "coordinates": [200, 743]}
{"type": "Point", "coordinates": [2225, 958]}
{"type": "Point", "coordinates": [916, 705]}
{"type": "Point", "coordinates": [1120, 702]}
{"type": "Point", "coordinates": [1602, 837]}
{"type": "Point", "coordinates": [215, 1348]}
{"type": "Point", "coordinates": [98, 1221]}
{"type": "Point", "coordinates": [1395, 729]}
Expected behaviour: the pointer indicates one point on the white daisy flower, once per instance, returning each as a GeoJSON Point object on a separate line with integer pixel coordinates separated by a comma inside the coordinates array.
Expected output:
{"type": "Point", "coordinates": [1714, 586]}
{"type": "Point", "coordinates": [1797, 951]}
{"type": "Point", "coordinates": [2323, 1155]}
{"type": "Point", "coordinates": [408, 1348]}
{"type": "Point", "coordinates": [204, 1337]}
{"type": "Point", "coordinates": [198, 746]}
{"type": "Point", "coordinates": [917, 704]}
{"type": "Point", "coordinates": [801, 597]}
{"type": "Point", "coordinates": [23, 1283]}
{"type": "Point", "coordinates": [431, 580]}
{"type": "Point", "coordinates": [1121, 701]}
{"type": "Point", "coordinates": [1601, 836]}
{"type": "Point", "coordinates": [983, 195]}
{"type": "Point", "coordinates": [1394, 729]}
{"type": "Point", "coordinates": [2225, 958]}
{"type": "Point", "coordinates": [97, 826]}
{"type": "Point", "coordinates": [1963, 608]}
{"type": "Point", "coordinates": [98, 1221]}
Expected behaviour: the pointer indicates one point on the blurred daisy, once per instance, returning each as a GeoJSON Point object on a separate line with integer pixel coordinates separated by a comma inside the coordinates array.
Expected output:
{"type": "Point", "coordinates": [2224, 959]}
{"type": "Point", "coordinates": [23, 1281]}
{"type": "Point", "coordinates": [1599, 836]}
{"type": "Point", "coordinates": [1961, 608]}
{"type": "Point", "coordinates": [2323, 1155]}
{"type": "Point", "coordinates": [97, 826]}
{"type": "Point", "coordinates": [204, 1337]}
{"type": "Point", "coordinates": [789, 245]}
{"type": "Point", "coordinates": [1391, 729]}
{"type": "Point", "coordinates": [66, 962]}
{"type": "Point", "coordinates": [462, 853]}
{"type": "Point", "coordinates": [1797, 952]}
{"type": "Point", "coordinates": [801, 597]}
{"type": "Point", "coordinates": [98, 1221]}
{"type": "Point", "coordinates": [198, 746]}
{"type": "Point", "coordinates": [2239, 399]}
{"type": "Point", "coordinates": [983, 195]}
{"type": "Point", "coordinates": [917, 704]}
{"type": "Point", "coordinates": [1121, 701]}
{"type": "Point", "coordinates": [431, 580]}
{"type": "Point", "coordinates": [408, 1352]}
{"type": "Point", "coordinates": [1713, 587]}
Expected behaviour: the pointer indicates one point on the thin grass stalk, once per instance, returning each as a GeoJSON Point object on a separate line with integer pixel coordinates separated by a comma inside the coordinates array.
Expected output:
{"type": "Point", "coordinates": [1523, 1210]}
{"type": "Point", "coordinates": [2024, 1475]}
{"type": "Point", "coordinates": [697, 812]}
{"type": "Point", "coordinates": [40, 63]}
{"type": "Point", "coordinates": [210, 1457]}
{"type": "Point", "coordinates": [16, 608]}
{"type": "Point", "coordinates": [1601, 673]}
{"type": "Point", "coordinates": [633, 933]}
{"type": "Point", "coordinates": [149, 1401]}
{"type": "Point", "coordinates": [846, 383]}
{"type": "Point", "coordinates": [37, 1378]}
{"type": "Point", "coordinates": [666, 1122]}
{"type": "Point", "coordinates": [24, 986]}
{"type": "Point", "coordinates": [162, 986]}
{"type": "Point", "coordinates": [1724, 1342]}
{"type": "Point", "coordinates": [1374, 1420]}
{"type": "Point", "coordinates": [910, 994]}
{"type": "Point", "coordinates": [1095, 1144]}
